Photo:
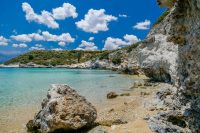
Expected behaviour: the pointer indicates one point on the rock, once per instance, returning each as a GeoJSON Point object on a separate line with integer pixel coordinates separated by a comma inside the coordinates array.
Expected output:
{"type": "Point", "coordinates": [166, 123]}
{"type": "Point", "coordinates": [125, 94]}
{"type": "Point", "coordinates": [173, 56]}
{"type": "Point", "coordinates": [98, 129]}
{"type": "Point", "coordinates": [63, 109]}
{"type": "Point", "coordinates": [109, 123]}
{"type": "Point", "coordinates": [152, 109]}
{"type": "Point", "coordinates": [112, 95]}
{"type": "Point", "coordinates": [144, 93]}
{"type": "Point", "coordinates": [137, 84]}
{"type": "Point", "coordinates": [111, 110]}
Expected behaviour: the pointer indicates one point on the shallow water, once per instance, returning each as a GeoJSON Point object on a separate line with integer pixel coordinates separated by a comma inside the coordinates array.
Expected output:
{"type": "Point", "coordinates": [22, 90]}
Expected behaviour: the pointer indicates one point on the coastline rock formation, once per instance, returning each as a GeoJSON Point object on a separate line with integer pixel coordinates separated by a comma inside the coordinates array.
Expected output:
{"type": "Point", "coordinates": [170, 53]}
{"type": "Point", "coordinates": [63, 109]}
{"type": "Point", "coordinates": [122, 60]}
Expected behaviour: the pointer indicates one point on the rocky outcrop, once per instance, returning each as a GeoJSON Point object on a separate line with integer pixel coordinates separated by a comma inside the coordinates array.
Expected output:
{"type": "Point", "coordinates": [112, 95]}
{"type": "Point", "coordinates": [63, 109]}
{"type": "Point", "coordinates": [119, 60]}
{"type": "Point", "coordinates": [171, 53]}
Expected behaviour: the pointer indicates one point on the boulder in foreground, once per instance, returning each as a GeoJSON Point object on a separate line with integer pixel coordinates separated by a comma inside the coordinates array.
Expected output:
{"type": "Point", "coordinates": [63, 109]}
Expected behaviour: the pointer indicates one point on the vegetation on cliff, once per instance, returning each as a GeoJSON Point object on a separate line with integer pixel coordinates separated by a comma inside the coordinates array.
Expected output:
{"type": "Point", "coordinates": [162, 17]}
{"type": "Point", "coordinates": [66, 57]}
{"type": "Point", "coordinates": [55, 57]}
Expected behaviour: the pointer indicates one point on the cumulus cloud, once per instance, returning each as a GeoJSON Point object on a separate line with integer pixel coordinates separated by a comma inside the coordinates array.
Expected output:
{"type": "Point", "coordinates": [67, 10]}
{"type": "Point", "coordinates": [91, 39]}
{"type": "Point", "coordinates": [37, 47]}
{"type": "Point", "coordinates": [116, 43]}
{"type": "Point", "coordinates": [22, 38]}
{"type": "Point", "coordinates": [3, 41]}
{"type": "Point", "coordinates": [123, 15]}
{"type": "Point", "coordinates": [49, 18]}
{"type": "Point", "coordinates": [57, 49]}
{"type": "Point", "coordinates": [87, 46]}
{"type": "Point", "coordinates": [64, 37]}
{"type": "Point", "coordinates": [62, 44]}
{"type": "Point", "coordinates": [22, 45]}
{"type": "Point", "coordinates": [131, 39]}
{"type": "Point", "coordinates": [45, 17]}
{"type": "Point", "coordinates": [95, 21]}
{"type": "Point", "coordinates": [113, 43]}
{"type": "Point", "coordinates": [143, 25]}
{"type": "Point", "coordinates": [44, 36]}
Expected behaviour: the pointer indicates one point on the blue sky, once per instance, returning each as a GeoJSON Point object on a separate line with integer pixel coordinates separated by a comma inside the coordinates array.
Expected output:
{"type": "Point", "coordinates": [108, 24]}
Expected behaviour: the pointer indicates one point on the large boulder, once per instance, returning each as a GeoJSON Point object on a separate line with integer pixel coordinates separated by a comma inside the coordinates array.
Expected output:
{"type": "Point", "coordinates": [63, 109]}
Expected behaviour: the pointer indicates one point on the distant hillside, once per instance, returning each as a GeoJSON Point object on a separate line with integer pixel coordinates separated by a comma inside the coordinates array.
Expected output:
{"type": "Point", "coordinates": [55, 57]}
{"type": "Point", "coordinates": [66, 57]}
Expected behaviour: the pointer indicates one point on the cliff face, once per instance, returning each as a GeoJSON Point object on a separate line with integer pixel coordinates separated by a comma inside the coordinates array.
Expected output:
{"type": "Point", "coordinates": [171, 52]}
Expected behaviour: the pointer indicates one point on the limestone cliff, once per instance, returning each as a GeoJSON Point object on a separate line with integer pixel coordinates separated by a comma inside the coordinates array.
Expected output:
{"type": "Point", "coordinates": [171, 53]}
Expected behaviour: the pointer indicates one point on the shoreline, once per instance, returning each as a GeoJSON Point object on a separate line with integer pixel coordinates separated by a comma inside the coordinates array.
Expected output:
{"type": "Point", "coordinates": [123, 109]}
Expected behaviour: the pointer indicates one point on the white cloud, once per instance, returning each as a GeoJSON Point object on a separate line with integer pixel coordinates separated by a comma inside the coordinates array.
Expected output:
{"type": "Point", "coordinates": [67, 10]}
{"type": "Point", "coordinates": [95, 21]}
{"type": "Point", "coordinates": [131, 39]}
{"type": "Point", "coordinates": [123, 15]}
{"type": "Point", "coordinates": [113, 43]}
{"type": "Point", "coordinates": [62, 44]}
{"type": "Point", "coordinates": [91, 39]}
{"type": "Point", "coordinates": [3, 41]}
{"type": "Point", "coordinates": [45, 18]}
{"type": "Point", "coordinates": [64, 37]}
{"type": "Point", "coordinates": [143, 25]}
{"type": "Point", "coordinates": [22, 38]}
{"type": "Point", "coordinates": [37, 47]}
{"type": "Point", "coordinates": [49, 18]}
{"type": "Point", "coordinates": [22, 45]}
{"type": "Point", "coordinates": [57, 49]}
{"type": "Point", "coordinates": [116, 43]}
{"type": "Point", "coordinates": [44, 36]}
{"type": "Point", "coordinates": [87, 46]}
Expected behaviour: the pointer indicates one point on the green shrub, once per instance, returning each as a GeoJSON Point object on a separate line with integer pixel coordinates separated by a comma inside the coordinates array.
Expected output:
{"type": "Point", "coordinates": [162, 17]}
{"type": "Point", "coordinates": [104, 55]}
{"type": "Point", "coordinates": [117, 60]}
{"type": "Point", "coordinates": [30, 57]}
{"type": "Point", "coordinates": [131, 47]}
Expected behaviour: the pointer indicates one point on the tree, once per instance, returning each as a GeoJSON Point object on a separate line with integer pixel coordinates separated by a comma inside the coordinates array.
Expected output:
{"type": "Point", "coordinates": [79, 55]}
{"type": "Point", "coordinates": [30, 57]}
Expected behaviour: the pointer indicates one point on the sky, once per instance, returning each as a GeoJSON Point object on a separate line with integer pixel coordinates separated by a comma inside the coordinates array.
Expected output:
{"type": "Point", "coordinates": [73, 24]}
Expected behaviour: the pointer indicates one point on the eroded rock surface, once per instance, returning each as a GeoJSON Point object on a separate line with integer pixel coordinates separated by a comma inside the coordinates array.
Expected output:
{"type": "Point", "coordinates": [171, 53]}
{"type": "Point", "coordinates": [63, 109]}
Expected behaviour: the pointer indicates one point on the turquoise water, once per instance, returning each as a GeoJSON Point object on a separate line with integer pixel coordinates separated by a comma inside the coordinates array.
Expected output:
{"type": "Point", "coordinates": [19, 87]}
{"type": "Point", "coordinates": [22, 90]}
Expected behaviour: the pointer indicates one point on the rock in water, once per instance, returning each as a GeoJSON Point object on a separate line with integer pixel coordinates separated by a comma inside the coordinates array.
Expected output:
{"type": "Point", "coordinates": [63, 109]}
{"type": "Point", "coordinates": [112, 95]}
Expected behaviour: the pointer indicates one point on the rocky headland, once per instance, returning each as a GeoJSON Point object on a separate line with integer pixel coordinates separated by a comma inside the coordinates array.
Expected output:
{"type": "Point", "coordinates": [170, 53]}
